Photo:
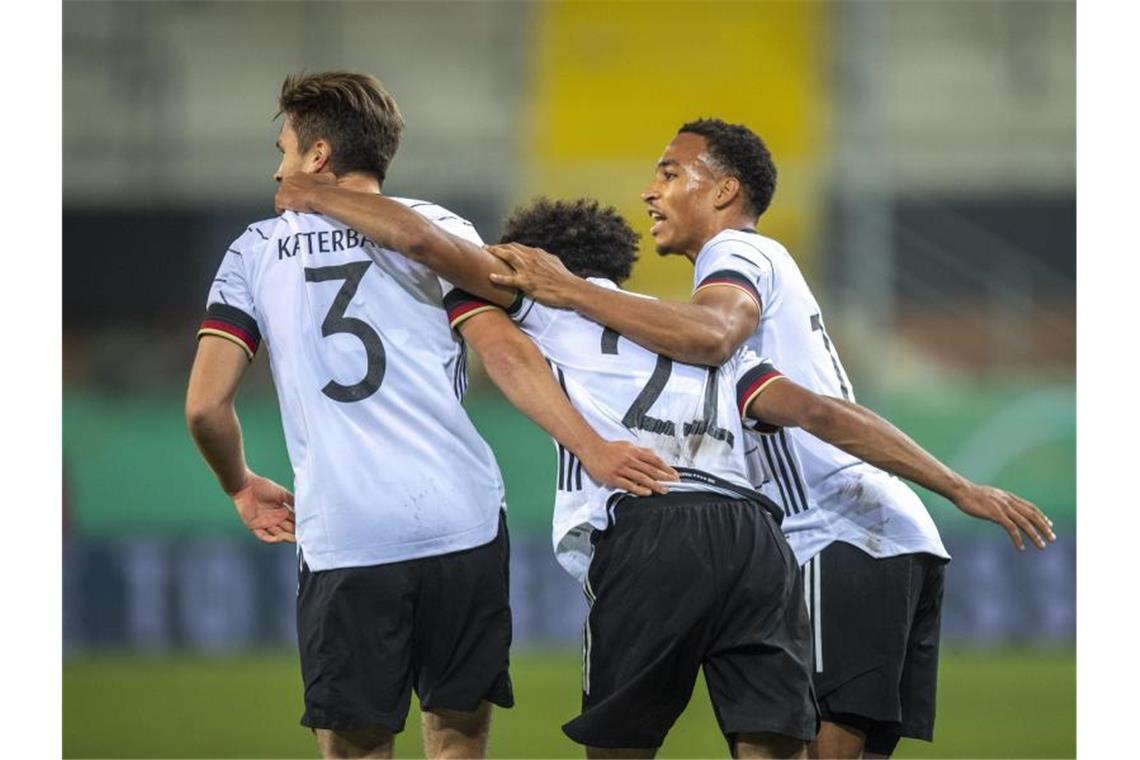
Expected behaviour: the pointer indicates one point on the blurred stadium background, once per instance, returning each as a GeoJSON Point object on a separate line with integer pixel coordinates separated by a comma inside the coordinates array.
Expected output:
{"type": "Point", "coordinates": [927, 188]}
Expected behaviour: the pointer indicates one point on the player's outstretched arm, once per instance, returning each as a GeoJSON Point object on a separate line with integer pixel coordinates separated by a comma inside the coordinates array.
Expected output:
{"type": "Point", "coordinates": [864, 434]}
{"type": "Point", "coordinates": [518, 369]}
{"type": "Point", "coordinates": [264, 506]}
{"type": "Point", "coordinates": [707, 330]}
{"type": "Point", "coordinates": [398, 228]}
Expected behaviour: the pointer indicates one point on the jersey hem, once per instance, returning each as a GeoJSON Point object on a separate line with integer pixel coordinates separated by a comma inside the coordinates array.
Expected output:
{"type": "Point", "coordinates": [471, 538]}
{"type": "Point", "coordinates": [910, 545]}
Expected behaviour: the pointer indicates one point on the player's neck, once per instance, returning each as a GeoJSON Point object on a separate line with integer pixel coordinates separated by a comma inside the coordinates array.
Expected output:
{"type": "Point", "coordinates": [361, 183]}
{"type": "Point", "coordinates": [717, 226]}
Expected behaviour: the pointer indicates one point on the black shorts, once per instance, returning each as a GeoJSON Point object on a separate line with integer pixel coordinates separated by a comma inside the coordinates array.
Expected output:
{"type": "Point", "coordinates": [687, 580]}
{"type": "Point", "coordinates": [876, 623]}
{"type": "Point", "coordinates": [369, 635]}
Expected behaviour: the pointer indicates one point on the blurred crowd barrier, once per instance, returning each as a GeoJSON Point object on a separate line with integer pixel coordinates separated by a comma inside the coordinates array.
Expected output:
{"type": "Point", "coordinates": [155, 558]}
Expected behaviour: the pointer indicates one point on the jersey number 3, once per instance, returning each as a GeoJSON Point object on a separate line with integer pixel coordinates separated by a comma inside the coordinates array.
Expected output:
{"type": "Point", "coordinates": [336, 322]}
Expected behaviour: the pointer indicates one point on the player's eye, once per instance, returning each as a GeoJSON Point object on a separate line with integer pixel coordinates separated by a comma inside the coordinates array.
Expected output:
{"type": "Point", "coordinates": [669, 175]}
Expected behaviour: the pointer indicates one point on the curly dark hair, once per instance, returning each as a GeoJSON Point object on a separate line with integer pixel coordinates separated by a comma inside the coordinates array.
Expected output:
{"type": "Point", "coordinates": [740, 152]}
{"type": "Point", "coordinates": [591, 241]}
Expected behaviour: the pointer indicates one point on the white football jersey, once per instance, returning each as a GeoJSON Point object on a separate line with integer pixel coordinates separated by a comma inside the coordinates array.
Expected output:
{"type": "Point", "coordinates": [827, 495]}
{"type": "Point", "coordinates": [688, 415]}
{"type": "Point", "coordinates": [387, 466]}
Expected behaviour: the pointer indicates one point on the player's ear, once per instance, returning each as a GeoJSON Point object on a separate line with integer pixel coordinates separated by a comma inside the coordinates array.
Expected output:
{"type": "Point", "coordinates": [319, 156]}
{"type": "Point", "coordinates": [727, 190]}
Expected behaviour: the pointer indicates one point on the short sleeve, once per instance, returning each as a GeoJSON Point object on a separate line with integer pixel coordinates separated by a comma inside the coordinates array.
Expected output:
{"type": "Point", "coordinates": [733, 263]}
{"type": "Point", "coordinates": [230, 313]}
{"type": "Point", "coordinates": [531, 316]}
{"type": "Point", "coordinates": [754, 375]}
{"type": "Point", "coordinates": [459, 227]}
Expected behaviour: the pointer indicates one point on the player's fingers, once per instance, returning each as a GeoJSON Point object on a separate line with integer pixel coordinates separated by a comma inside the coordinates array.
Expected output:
{"type": "Point", "coordinates": [1028, 527]}
{"type": "Point", "coordinates": [264, 536]}
{"type": "Point", "coordinates": [506, 280]}
{"type": "Point", "coordinates": [657, 466]}
{"type": "Point", "coordinates": [503, 252]}
{"type": "Point", "coordinates": [634, 488]}
{"type": "Point", "coordinates": [1037, 519]}
{"type": "Point", "coordinates": [642, 479]}
{"type": "Point", "coordinates": [650, 473]}
{"type": "Point", "coordinates": [1014, 533]}
{"type": "Point", "coordinates": [1029, 506]}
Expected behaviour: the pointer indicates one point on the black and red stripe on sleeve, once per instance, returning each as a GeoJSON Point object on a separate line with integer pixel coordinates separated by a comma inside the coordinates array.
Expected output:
{"type": "Point", "coordinates": [732, 279]}
{"type": "Point", "coordinates": [751, 385]}
{"type": "Point", "coordinates": [233, 324]}
{"type": "Point", "coordinates": [462, 305]}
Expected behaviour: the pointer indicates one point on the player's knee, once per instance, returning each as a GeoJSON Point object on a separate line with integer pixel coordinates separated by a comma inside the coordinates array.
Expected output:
{"type": "Point", "coordinates": [456, 733]}
{"type": "Point", "coordinates": [370, 741]}
{"type": "Point", "coordinates": [768, 745]}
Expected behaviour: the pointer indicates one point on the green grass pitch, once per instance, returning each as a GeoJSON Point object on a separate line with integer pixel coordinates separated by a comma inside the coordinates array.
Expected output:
{"type": "Point", "coordinates": [996, 704]}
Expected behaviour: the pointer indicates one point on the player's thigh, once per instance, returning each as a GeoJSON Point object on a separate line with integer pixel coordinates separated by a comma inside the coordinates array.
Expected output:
{"type": "Point", "coordinates": [354, 635]}
{"type": "Point", "coordinates": [758, 667]}
{"type": "Point", "coordinates": [462, 628]}
{"type": "Point", "coordinates": [651, 587]}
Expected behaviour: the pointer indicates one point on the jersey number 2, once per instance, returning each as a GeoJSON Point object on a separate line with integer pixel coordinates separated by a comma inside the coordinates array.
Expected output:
{"type": "Point", "coordinates": [336, 322]}
{"type": "Point", "coordinates": [637, 416]}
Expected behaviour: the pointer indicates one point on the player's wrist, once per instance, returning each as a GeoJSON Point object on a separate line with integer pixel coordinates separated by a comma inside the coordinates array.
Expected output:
{"type": "Point", "coordinates": [239, 484]}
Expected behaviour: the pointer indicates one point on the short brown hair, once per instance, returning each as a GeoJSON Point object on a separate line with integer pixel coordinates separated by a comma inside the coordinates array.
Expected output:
{"type": "Point", "coordinates": [353, 112]}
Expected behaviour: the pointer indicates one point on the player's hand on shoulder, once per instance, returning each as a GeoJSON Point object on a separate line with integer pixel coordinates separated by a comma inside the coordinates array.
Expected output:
{"type": "Point", "coordinates": [295, 192]}
{"type": "Point", "coordinates": [619, 464]}
{"type": "Point", "coordinates": [1010, 511]}
{"type": "Point", "coordinates": [266, 508]}
{"type": "Point", "coordinates": [539, 274]}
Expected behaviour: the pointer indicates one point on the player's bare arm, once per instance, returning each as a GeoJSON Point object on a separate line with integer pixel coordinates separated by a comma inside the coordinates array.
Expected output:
{"type": "Point", "coordinates": [396, 227]}
{"type": "Point", "coordinates": [867, 436]}
{"type": "Point", "coordinates": [516, 366]}
{"type": "Point", "coordinates": [263, 506]}
{"type": "Point", "coordinates": [707, 330]}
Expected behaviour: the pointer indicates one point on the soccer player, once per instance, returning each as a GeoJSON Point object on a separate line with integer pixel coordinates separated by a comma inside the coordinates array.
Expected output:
{"type": "Point", "coordinates": [399, 510]}
{"type": "Point", "coordinates": [871, 553]}
{"type": "Point", "coordinates": [701, 576]}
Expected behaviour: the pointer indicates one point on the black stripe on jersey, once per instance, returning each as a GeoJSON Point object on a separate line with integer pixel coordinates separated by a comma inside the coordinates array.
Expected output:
{"type": "Point", "coordinates": [784, 468]}
{"type": "Point", "coordinates": [817, 325]}
{"type": "Point", "coordinates": [609, 340]}
{"type": "Point", "coordinates": [578, 476]}
{"type": "Point", "coordinates": [731, 277]}
{"type": "Point", "coordinates": [783, 436]}
{"type": "Point", "coordinates": [232, 315]}
{"type": "Point", "coordinates": [235, 253]}
{"type": "Point", "coordinates": [566, 460]}
{"type": "Point", "coordinates": [446, 218]}
{"type": "Point", "coordinates": [747, 385]}
{"type": "Point", "coordinates": [774, 469]}
{"type": "Point", "coordinates": [251, 228]}
{"type": "Point", "coordinates": [748, 243]}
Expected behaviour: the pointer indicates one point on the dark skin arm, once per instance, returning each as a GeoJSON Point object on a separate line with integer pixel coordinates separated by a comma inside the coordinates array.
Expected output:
{"type": "Point", "coordinates": [265, 507]}
{"type": "Point", "coordinates": [511, 359]}
{"type": "Point", "coordinates": [398, 228]}
{"type": "Point", "coordinates": [867, 436]}
{"type": "Point", "coordinates": [707, 330]}
{"type": "Point", "coordinates": [518, 369]}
